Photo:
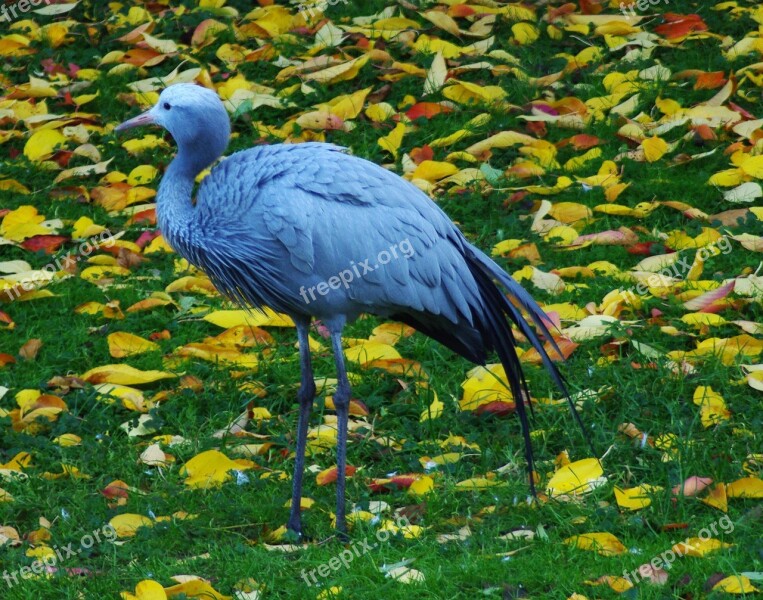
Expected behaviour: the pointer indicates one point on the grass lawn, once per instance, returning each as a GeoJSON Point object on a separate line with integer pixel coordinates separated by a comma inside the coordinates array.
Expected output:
{"type": "Point", "coordinates": [545, 123]}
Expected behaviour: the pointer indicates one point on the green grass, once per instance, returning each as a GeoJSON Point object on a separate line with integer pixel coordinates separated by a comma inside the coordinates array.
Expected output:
{"type": "Point", "coordinates": [226, 539]}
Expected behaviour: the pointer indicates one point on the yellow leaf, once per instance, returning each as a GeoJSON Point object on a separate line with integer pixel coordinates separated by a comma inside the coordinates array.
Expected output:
{"type": "Point", "coordinates": [712, 406]}
{"type": "Point", "coordinates": [604, 543]}
{"type": "Point", "coordinates": [749, 487]}
{"type": "Point", "coordinates": [68, 440]}
{"type": "Point", "coordinates": [106, 272]}
{"type": "Point", "coordinates": [421, 486]}
{"type": "Point", "coordinates": [504, 139]}
{"type": "Point", "coordinates": [148, 142]}
{"type": "Point", "coordinates": [379, 113]}
{"type": "Point", "coordinates": [700, 318]}
{"type": "Point", "coordinates": [434, 411]}
{"type": "Point", "coordinates": [146, 590]}
{"type": "Point", "coordinates": [579, 477]}
{"type": "Point", "coordinates": [195, 588]}
{"type": "Point", "coordinates": [465, 92]}
{"type": "Point", "coordinates": [128, 524]}
{"type": "Point", "coordinates": [392, 142]}
{"type": "Point", "coordinates": [43, 143]}
{"type": "Point", "coordinates": [342, 72]}
{"type": "Point", "coordinates": [727, 178]}
{"type": "Point", "coordinates": [433, 171]}
{"type": "Point", "coordinates": [478, 483]}
{"type": "Point", "coordinates": [485, 385]}
{"type": "Point", "coordinates": [142, 175]}
{"type": "Point", "coordinates": [233, 318]}
{"type": "Point", "coordinates": [211, 469]}
{"type": "Point", "coordinates": [347, 106]}
{"type": "Point", "coordinates": [698, 547]}
{"type": "Point", "coordinates": [23, 223]}
{"type": "Point", "coordinates": [525, 33]}
{"type": "Point", "coordinates": [131, 398]}
{"type": "Point", "coordinates": [367, 352]}
{"type": "Point", "coordinates": [735, 584]}
{"type": "Point", "coordinates": [406, 575]}
{"type": "Point", "coordinates": [124, 375]}
{"type": "Point", "coordinates": [434, 45]}
{"type": "Point", "coordinates": [717, 497]}
{"type": "Point", "coordinates": [85, 228]}
{"type": "Point", "coordinates": [753, 167]}
{"type": "Point", "coordinates": [123, 344]}
{"type": "Point", "coordinates": [635, 498]}
{"type": "Point", "coordinates": [654, 148]}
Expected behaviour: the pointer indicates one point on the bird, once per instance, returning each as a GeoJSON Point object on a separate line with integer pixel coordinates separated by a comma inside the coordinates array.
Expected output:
{"type": "Point", "coordinates": [311, 231]}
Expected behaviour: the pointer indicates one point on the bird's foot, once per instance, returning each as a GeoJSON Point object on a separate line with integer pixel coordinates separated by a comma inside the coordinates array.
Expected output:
{"type": "Point", "coordinates": [341, 532]}
{"type": "Point", "coordinates": [295, 532]}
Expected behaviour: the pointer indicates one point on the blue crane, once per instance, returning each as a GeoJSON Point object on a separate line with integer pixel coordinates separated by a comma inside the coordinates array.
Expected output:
{"type": "Point", "coordinates": [295, 228]}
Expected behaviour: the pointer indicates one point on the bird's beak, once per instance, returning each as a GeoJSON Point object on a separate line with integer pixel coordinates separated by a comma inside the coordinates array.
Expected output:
{"type": "Point", "coordinates": [145, 118]}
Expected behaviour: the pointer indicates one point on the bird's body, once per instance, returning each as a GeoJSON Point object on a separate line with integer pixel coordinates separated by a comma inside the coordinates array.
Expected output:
{"type": "Point", "coordinates": [268, 241]}
{"type": "Point", "coordinates": [303, 229]}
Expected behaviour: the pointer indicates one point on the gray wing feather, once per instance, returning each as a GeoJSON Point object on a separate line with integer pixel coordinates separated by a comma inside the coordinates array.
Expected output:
{"type": "Point", "coordinates": [321, 211]}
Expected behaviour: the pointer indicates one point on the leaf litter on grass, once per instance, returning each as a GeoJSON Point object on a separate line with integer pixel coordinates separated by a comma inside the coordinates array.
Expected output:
{"type": "Point", "coordinates": [626, 150]}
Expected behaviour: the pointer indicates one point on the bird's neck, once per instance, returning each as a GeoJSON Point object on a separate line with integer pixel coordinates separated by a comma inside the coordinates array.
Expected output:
{"type": "Point", "coordinates": [174, 203]}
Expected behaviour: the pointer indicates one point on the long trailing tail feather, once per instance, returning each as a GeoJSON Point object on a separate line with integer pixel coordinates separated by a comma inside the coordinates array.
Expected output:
{"type": "Point", "coordinates": [500, 336]}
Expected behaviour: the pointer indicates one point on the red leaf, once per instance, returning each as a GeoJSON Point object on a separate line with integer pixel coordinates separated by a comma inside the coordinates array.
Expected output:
{"type": "Point", "coordinates": [147, 237]}
{"type": "Point", "coordinates": [330, 475]}
{"type": "Point", "coordinates": [584, 141]}
{"type": "Point", "coordinates": [419, 155]}
{"type": "Point", "coordinates": [398, 482]}
{"type": "Point", "coordinates": [427, 110]}
{"type": "Point", "coordinates": [705, 132]}
{"type": "Point", "coordinates": [649, 249]}
{"type": "Point", "coordinates": [461, 10]}
{"type": "Point", "coordinates": [706, 302]}
{"type": "Point", "coordinates": [710, 81]}
{"type": "Point", "coordinates": [741, 111]}
{"type": "Point", "coordinates": [679, 26]}
{"type": "Point", "coordinates": [116, 489]}
{"type": "Point", "coordinates": [591, 7]}
{"type": "Point", "coordinates": [47, 243]}
{"type": "Point", "coordinates": [497, 408]}
{"type": "Point", "coordinates": [537, 128]}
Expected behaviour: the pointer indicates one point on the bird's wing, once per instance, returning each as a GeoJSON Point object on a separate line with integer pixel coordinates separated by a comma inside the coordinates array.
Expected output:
{"type": "Point", "coordinates": [311, 211]}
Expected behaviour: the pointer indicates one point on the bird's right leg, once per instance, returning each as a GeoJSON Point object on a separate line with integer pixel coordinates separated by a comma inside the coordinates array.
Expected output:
{"type": "Point", "coordinates": [342, 406]}
{"type": "Point", "coordinates": [305, 396]}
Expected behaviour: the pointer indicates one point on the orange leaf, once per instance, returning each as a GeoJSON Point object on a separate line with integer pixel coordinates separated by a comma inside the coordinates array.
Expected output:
{"type": "Point", "coordinates": [710, 81]}
{"type": "Point", "coordinates": [330, 475]}
{"type": "Point", "coordinates": [679, 26]}
{"type": "Point", "coordinates": [692, 486]}
{"type": "Point", "coordinates": [427, 110]}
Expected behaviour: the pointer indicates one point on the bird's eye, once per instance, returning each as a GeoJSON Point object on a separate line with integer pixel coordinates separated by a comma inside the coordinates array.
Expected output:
{"type": "Point", "coordinates": [167, 106]}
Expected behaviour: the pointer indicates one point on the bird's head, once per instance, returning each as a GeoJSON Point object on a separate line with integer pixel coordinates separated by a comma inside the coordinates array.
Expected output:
{"type": "Point", "coordinates": [194, 116]}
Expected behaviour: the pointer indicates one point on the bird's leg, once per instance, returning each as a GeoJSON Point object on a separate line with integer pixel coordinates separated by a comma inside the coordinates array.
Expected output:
{"type": "Point", "coordinates": [342, 405]}
{"type": "Point", "coordinates": [305, 397]}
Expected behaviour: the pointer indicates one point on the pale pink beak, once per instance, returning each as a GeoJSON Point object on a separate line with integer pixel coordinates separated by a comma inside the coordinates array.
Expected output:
{"type": "Point", "coordinates": [145, 118]}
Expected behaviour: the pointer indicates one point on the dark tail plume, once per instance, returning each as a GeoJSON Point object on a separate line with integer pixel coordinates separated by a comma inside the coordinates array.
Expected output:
{"type": "Point", "coordinates": [497, 332]}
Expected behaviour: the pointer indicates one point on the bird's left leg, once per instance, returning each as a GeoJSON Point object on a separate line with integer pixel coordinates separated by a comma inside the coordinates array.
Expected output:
{"type": "Point", "coordinates": [305, 397]}
{"type": "Point", "coordinates": [342, 406]}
